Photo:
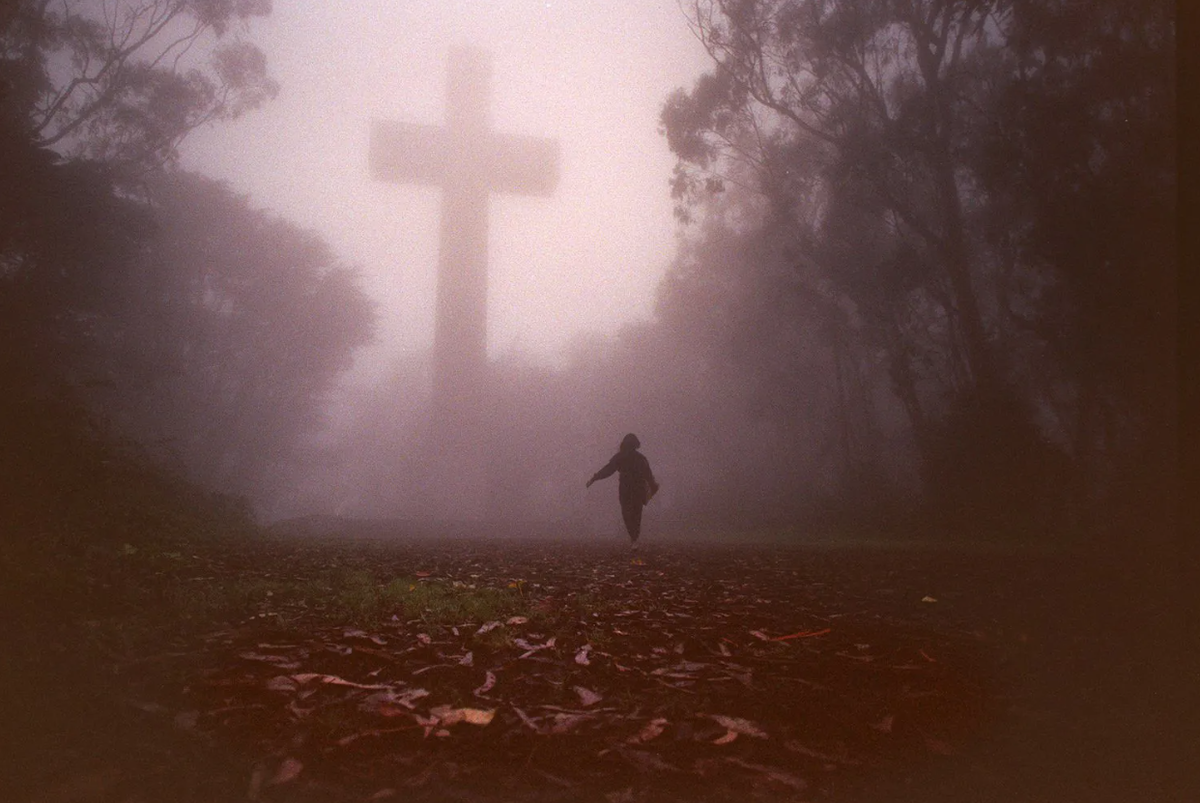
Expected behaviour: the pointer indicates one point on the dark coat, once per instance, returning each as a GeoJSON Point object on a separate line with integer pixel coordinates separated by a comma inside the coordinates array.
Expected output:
{"type": "Point", "coordinates": [637, 483]}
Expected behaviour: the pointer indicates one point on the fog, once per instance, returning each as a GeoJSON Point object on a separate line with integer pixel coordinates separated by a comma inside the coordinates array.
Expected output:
{"type": "Point", "coordinates": [591, 76]}
{"type": "Point", "coordinates": [287, 256]}
{"type": "Point", "coordinates": [575, 360]}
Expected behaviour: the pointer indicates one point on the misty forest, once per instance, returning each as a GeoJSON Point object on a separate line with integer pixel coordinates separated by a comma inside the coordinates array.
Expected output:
{"type": "Point", "coordinates": [909, 389]}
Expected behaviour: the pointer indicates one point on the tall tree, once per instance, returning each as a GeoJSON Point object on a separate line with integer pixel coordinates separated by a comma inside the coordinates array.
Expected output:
{"type": "Point", "coordinates": [880, 87]}
{"type": "Point", "coordinates": [220, 340]}
{"type": "Point", "coordinates": [115, 285]}
{"type": "Point", "coordinates": [125, 81]}
{"type": "Point", "coordinates": [943, 166]}
{"type": "Point", "coordinates": [1079, 162]}
{"type": "Point", "coordinates": [92, 93]}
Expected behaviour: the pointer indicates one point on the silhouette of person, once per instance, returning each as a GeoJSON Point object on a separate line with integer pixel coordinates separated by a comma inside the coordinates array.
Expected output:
{"type": "Point", "coordinates": [637, 484]}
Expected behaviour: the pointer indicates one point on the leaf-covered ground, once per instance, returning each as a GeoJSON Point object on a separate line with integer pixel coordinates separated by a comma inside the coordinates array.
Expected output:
{"type": "Point", "coordinates": [537, 670]}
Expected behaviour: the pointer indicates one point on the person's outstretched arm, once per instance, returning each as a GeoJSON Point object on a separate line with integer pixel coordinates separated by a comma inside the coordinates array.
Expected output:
{"type": "Point", "coordinates": [605, 472]}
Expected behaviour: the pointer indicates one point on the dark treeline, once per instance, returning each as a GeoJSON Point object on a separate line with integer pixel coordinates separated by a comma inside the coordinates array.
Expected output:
{"type": "Point", "coordinates": [960, 214]}
{"type": "Point", "coordinates": [164, 346]}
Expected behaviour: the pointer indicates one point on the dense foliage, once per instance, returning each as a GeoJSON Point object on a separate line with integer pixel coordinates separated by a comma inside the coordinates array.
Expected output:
{"type": "Point", "coordinates": [154, 326]}
{"type": "Point", "coordinates": [968, 203]}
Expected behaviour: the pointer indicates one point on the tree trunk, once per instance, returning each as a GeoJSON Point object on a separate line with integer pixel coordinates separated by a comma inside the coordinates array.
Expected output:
{"type": "Point", "coordinates": [952, 245]}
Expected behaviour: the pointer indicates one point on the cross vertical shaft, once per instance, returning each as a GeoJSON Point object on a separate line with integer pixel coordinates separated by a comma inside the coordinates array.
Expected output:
{"type": "Point", "coordinates": [469, 161]}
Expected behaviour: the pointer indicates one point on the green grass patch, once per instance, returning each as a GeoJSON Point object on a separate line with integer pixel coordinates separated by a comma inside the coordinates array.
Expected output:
{"type": "Point", "coordinates": [340, 597]}
{"type": "Point", "coordinates": [366, 601]}
{"type": "Point", "coordinates": [600, 638]}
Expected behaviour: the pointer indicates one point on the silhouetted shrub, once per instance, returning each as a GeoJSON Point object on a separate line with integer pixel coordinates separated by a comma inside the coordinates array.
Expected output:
{"type": "Point", "coordinates": [66, 482]}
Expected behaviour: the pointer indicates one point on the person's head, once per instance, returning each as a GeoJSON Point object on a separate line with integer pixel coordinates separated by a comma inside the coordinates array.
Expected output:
{"type": "Point", "coordinates": [630, 442]}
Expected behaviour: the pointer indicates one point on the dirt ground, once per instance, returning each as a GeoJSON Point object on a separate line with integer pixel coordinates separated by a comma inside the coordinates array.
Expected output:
{"type": "Point", "coordinates": [697, 672]}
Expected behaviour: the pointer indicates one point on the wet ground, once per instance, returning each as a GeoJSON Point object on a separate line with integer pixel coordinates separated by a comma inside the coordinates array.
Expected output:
{"type": "Point", "coordinates": [697, 671]}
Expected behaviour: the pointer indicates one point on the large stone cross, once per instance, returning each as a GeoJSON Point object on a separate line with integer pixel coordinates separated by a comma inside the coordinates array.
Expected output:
{"type": "Point", "coordinates": [469, 161]}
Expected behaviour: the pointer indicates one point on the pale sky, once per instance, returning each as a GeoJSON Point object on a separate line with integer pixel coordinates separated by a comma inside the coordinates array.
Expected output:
{"type": "Point", "coordinates": [591, 74]}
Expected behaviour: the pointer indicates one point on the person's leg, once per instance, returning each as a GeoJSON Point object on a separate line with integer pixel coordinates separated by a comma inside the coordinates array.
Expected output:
{"type": "Point", "coordinates": [632, 513]}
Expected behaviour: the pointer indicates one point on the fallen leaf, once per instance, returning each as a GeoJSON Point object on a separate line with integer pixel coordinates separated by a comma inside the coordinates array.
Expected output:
{"type": "Point", "coordinates": [424, 638]}
{"type": "Point", "coordinates": [281, 683]}
{"type": "Point", "coordinates": [288, 771]}
{"type": "Point", "coordinates": [487, 627]}
{"type": "Point", "coordinates": [447, 716]}
{"type": "Point", "coordinates": [385, 703]}
{"type": "Point", "coordinates": [581, 657]}
{"type": "Point", "coordinates": [467, 660]}
{"type": "Point", "coordinates": [727, 738]}
{"type": "Point", "coordinates": [928, 598]}
{"type": "Point", "coordinates": [556, 780]}
{"type": "Point", "coordinates": [517, 620]}
{"type": "Point", "coordinates": [279, 660]}
{"type": "Point", "coordinates": [297, 711]}
{"type": "Point", "coordinates": [682, 666]}
{"type": "Point", "coordinates": [428, 723]}
{"type": "Point", "coordinates": [802, 634]}
{"type": "Point", "coordinates": [488, 682]}
{"type": "Point", "coordinates": [587, 696]}
{"type": "Point", "coordinates": [528, 720]}
{"type": "Point", "coordinates": [334, 680]}
{"type": "Point", "coordinates": [564, 723]}
{"type": "Point", "coordinates": [649, 731]}
{"type": "Point", "coordinates": [742, 726]}
{"type": "Point", "coordinates": [532, 649]}
{"type": "Point", "coordinates": [761, 636]}
{"type": "Point", "coordinates": [476, 716]}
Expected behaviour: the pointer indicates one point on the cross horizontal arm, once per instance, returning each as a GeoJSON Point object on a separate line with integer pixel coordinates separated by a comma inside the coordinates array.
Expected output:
{"type": "Point", "coordinates": [427, 154]}
{"type": "Point", "coordinates": [407, 152]}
